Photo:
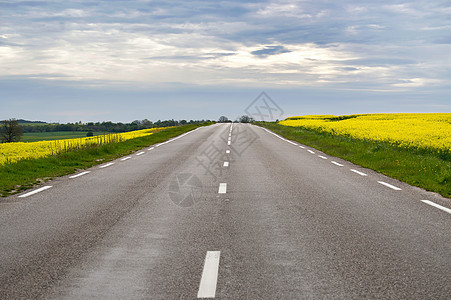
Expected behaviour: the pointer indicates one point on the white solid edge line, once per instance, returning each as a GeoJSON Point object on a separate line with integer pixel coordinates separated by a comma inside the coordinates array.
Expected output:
{"type": "Point", "coordinates": [437, 206]}
{"type": "Point", "coordinates": [140, 153]}
{"type": "Point", "coordinates": [226, 164]}
{"type": "Point", "coordinates": [227, 151]}
{"type": "Point", "coordinates": [107, 165]}
{"type": "Point", "coordinates": [358, 172]}
{"type": "Point", "coordinates": [80, 174]}
{"type": "Point", "coordinates": [390, 186]}
{"type": "Point", "coordinates": [302, 147]}
{"type": "Point", "coordinates": [311, 151]}
{"type": "Point", "coordinates": [222, 188]}
{"type": "Point", "coordinates": [125, 158]}
{"type": "Point", "coordinates": [337, 164]}
{"type": "Point", "coordinates": [323, 157]}
{"type": "Point", "coordinates": [151, 148]}
{"type": "Point", "coordinates": [35, 191]}
{"type": "Point", "coordinates": [209, 279]}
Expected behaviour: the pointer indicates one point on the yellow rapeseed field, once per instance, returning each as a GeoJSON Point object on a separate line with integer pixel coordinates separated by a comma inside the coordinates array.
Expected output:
{"type": "Point", "coordinates": [430, 131]}
{"type": "Point", "coordinates": [13, 152]}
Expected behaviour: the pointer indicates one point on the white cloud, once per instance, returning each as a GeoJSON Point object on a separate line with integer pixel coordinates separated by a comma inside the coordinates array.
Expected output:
{"type": "Point", "coordinates": [128, 44]}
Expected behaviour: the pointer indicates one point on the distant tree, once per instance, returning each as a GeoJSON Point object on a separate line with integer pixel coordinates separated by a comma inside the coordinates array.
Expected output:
{"type": "Point", "coordinates": [246, 119]}
{"type": "Point", "coordinates": [223, 119]}
{"type": "Point", "coordinates": [90, 133]}
{"type": "Point", "coordinates": [146, 123]}
{"type": "Point", "coordinates": [10, 131]}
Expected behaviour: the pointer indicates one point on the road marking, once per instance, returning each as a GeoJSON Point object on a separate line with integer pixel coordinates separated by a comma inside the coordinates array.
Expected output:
{"type": "Point", "coordinates": [107, 165]}
{"type": "Point", "coordinates": [140, 153]}
{"type": "Point", "coordinates": [323, 157]}
{"type": "Point", "coordinates": [80, 174]}
{"type": "Point", "coordinates": [437, 206]}
{"type": "Point", "coordinates": [311, 151]}
{"type": "Point", "coordinates": [390, 186]}
{"type": "Point", "coordinates": [209, 279]}
{"type": "Point", "coordinates": [358, 172]}
{"type": "Point", "coordinates": [222, 188]}
{"type": "Point", "coordinates": [230, 138]}
{"type": "Point", "coordinates": [35, 191]}
{"type": "Point", "coordinates": [151, 148]}
{"type": "Point", "coordinates": [338, 164]}
{"type": "Point", "coordinates": [227, 151]}
{"type": "Point", "coordinates": [302, 147]}
{"type": "Point", "coordinates": [125, 158]}
{"type": "Point", "coordinates": [228, 143]}
{"type": "Point", "coordinates": [226, 164]}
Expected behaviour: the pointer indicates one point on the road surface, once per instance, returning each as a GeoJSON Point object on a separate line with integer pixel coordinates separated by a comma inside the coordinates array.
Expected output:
{"type": "Point", "coordinates": [227, 212]}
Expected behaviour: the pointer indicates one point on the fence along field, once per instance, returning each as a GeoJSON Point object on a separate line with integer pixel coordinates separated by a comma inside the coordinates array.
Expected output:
{"type": "Point", "coordinates": [14, 152]}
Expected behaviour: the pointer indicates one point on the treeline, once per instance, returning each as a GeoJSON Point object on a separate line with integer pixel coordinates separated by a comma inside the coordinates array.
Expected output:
{"type": "Point", "coordinates": [107, 126]}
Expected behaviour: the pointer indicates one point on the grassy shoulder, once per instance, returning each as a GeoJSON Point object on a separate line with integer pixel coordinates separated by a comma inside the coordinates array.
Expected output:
{"type": "Point", "coordinates": [430, 171]}
{"type": "Point", "coordinates": [25, 174]}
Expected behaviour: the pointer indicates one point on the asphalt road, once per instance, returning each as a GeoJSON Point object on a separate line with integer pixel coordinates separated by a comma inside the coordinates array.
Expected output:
{"type": "Point", "coordinates": [271, 219]}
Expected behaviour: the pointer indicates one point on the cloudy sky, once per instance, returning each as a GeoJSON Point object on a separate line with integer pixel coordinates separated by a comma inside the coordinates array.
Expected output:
{"type": "Point", "coordinates": [86, 60]}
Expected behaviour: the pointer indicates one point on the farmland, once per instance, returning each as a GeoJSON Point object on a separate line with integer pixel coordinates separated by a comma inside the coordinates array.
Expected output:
{"type": "Point", "coordinates": [413, 131]}
{"type": "Point", "coordinates": [14, 152]}
{"type": "Point", "coordinates": [58, 135]}
{"type": "Point", "coordinates": [28, 164]}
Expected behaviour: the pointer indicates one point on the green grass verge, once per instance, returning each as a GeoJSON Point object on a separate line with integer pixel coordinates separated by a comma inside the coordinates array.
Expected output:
{"type": "Point", "coordinates": [430, 171]}
{"type": "Point", "coordinates": [25, 174]}
{"type": "Point", "coordinates": [57, 135]}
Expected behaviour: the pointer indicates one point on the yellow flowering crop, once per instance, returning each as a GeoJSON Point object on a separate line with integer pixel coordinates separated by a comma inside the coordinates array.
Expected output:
{"type": "Point", "coordinates": [13, 152]}
{"type": "Point", "coordinates": [430, 131]}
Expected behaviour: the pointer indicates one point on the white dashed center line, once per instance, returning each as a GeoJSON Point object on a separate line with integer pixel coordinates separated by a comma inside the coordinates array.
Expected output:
{"type": "Point", "coordinates": [226, 164]}
{"type": "Point", "coordinates": [151, 148]}
{"type": "Point", "coordinates": [125, 158]}
{"type": "Point", "coordinates": [437, 206]}
{"type": "Point", "coordinates": [311, 151]}
{"type": "Point", "coordinates": [35, 191]}
{"type": "Point", "coordinates": [323, 157]}
{"type": "Point", "coordinates": [228, 143]}
{"type": "Point", "coordinates": [390, 186]}
{"type": "Point", "coordinates": [302, 147]}
{"type": "Point", "coordinates": [358, 172]}
{"type": "Point", "coordinates": [222, 188]}
{"type": "Point", "coordinates": [209, 279]}
{"type": "Point", "coordinates": [227, 151]}
{"type": "Point", "coordinates": [80, 174]}
{"type": "Point", "coordinates": [107, 165]}
{"type": "Point", "coordinates": [140, 153]}
{"type": "Point", "coordinates": [337, 164]}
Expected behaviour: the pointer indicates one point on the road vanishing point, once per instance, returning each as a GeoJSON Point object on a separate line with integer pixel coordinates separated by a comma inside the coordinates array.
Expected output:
{"type": "Point", "coordinates": [228, 211]}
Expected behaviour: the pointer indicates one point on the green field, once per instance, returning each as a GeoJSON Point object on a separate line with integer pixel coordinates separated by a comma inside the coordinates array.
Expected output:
{"type": "Point", "coordinates": [58, 135]}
